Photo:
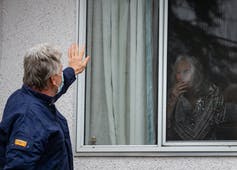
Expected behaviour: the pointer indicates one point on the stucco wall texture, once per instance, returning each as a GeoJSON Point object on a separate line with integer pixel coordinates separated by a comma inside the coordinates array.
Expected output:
{"type": "Point", "coordinates": [24, 23]}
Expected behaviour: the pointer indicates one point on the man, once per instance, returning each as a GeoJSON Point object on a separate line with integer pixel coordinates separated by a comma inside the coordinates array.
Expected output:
{"type": "Point", "coordinates": [33, 134]}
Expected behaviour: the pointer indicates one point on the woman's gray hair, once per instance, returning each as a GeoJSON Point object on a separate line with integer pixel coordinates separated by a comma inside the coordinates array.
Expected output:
{"type": "Point", "coordinates": [40, 63]}
{"type": "Point", "coordinates": [198, 79]}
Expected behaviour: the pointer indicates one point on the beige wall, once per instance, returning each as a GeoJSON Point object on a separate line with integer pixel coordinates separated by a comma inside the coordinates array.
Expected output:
{"type": "Point", "coordinates": [24, 23]}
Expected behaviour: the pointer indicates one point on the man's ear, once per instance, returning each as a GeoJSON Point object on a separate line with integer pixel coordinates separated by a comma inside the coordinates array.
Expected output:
{"type": "Point", "coordinates": [52, 80]}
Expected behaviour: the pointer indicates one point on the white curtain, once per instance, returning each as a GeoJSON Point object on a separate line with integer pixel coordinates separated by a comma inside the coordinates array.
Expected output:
{"type": "Point", "coordinates": [119, 73]}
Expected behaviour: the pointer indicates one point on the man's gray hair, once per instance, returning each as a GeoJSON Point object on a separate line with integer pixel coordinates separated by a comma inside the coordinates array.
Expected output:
{"type": "Point", "coordinates": [40, 63]}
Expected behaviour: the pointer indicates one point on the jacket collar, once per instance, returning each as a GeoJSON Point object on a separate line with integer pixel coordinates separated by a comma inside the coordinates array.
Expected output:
{"type": "Point", "coordinates": [43, 97]}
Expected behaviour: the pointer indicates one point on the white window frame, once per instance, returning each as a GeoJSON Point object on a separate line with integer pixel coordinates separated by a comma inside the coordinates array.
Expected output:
{"type": "Point", "coordinates": [163, 148]}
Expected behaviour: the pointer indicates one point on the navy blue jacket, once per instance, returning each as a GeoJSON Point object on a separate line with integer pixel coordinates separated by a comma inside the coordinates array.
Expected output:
{"type": "Point", "coordinates": [33, 134]}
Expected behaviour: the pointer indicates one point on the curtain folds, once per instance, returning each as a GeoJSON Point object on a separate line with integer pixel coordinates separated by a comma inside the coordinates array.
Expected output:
{"type": "Point", "coordinates": [120, 92]}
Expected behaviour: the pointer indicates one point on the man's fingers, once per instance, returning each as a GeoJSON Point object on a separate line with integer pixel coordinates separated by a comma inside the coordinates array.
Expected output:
{"type": "Point", "coordinates": [75, 50]}
{"type": "Point", "coordinates": [72, 50]}
{"type": "Point", "coordinates": [81, 53]}
{"type": "Point", "coordinates": [86, 60]}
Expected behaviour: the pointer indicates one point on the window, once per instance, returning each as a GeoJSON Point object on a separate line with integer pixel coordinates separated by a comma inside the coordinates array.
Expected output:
{"type": "Point", "coordinates": [161, 76]}
{"type": "Point", "coordinates": [202, 37]}
{"type": "Point", "coordinates": [121, 81]}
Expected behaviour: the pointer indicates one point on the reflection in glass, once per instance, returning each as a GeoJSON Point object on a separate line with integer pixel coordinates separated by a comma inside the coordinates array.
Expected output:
{"type": "Point", "coordinates": [205, 30]}
{"type": "Point", "coordinates": [121, 79]}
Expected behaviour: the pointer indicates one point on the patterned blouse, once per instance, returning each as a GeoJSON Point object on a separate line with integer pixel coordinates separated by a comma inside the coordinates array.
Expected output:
{"type": "Point", "coordinates": [198, 122]}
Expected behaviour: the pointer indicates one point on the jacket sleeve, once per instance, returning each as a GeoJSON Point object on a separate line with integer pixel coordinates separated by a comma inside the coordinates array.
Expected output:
{"type": "Point", "coordinates": [26, 144]}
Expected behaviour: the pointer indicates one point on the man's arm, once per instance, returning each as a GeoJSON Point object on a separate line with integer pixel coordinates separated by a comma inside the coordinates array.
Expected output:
{"type": "Point", "coordinates": [23, 149]}
{"type": "Point", "coordinates": [76, 66]}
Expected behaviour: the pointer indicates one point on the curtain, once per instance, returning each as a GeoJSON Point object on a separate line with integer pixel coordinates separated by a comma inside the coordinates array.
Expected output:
{"type": "Point", "coordinates": [119, 79]}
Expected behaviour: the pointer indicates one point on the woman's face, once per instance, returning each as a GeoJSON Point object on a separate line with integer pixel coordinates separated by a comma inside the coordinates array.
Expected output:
{"type": "Point", "coordinates": [184, 71]}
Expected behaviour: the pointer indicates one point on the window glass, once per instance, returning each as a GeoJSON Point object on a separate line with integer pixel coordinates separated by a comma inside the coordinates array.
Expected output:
{"type": "Point", "coordinates": [201, 70]}
{"type": "Point", "coordinates": [121, 79]}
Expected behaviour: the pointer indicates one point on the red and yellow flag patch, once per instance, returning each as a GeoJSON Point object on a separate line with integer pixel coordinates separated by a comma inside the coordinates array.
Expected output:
{"type": "Point", "coordinates": [20, 142]}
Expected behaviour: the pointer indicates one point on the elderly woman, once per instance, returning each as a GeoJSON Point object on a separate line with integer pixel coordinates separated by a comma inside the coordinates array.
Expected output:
{"type": "Point", "coordinates": [195, 106]}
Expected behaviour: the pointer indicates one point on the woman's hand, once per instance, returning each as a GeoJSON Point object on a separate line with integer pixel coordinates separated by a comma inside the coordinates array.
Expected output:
{"type": "Point", "coordinates": [179, 88]}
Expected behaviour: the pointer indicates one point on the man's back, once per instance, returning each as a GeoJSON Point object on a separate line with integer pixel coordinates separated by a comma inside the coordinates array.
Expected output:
{"type": "Point", "coordinates": [38, 134]}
